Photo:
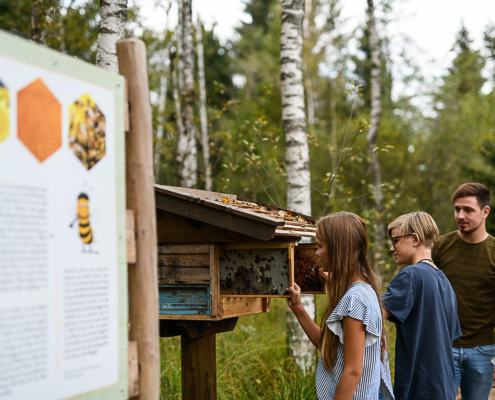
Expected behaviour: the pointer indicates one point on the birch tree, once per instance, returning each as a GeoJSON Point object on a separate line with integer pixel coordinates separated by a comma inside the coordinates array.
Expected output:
{"type": "Point", "coordinates": [113, 15]}
{"type": "Point", "coordinates": [372, 139]}
{"type": "Point", "coordinates": [296, 149]}
{"type": "Point", "coordinates": [205, 142]}
{"type": "Point", "coordinates": [36, 14]}
{"type": "Point", "coordinates": [162, 101]}
{"type": "Point", "coordinates": [186, 148]}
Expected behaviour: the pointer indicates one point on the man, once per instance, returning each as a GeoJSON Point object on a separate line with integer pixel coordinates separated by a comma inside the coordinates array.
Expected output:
{"type": "Point", "coordinates": [467, 257]}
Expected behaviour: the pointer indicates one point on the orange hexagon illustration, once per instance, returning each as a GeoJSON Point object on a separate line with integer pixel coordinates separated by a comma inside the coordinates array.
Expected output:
{"type": "Point", "coordinates": [87, 131]}
{"type": "Point", "coordinates": [39, 120]}
{"type": "Point", "coordinates": [4, 112]}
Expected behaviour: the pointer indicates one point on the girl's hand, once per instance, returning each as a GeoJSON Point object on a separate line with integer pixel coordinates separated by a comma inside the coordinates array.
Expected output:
{"type": "Point", "coordinates": [295, 296]}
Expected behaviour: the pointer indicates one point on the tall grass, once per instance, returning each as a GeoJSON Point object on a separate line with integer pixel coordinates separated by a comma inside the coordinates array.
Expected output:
{"type": "Point", "coordinates": [252, 361]}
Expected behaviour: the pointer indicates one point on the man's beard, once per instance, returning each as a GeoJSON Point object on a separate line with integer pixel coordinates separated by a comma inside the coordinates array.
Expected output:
{"type": "Point", "coordinates": [467, 230]}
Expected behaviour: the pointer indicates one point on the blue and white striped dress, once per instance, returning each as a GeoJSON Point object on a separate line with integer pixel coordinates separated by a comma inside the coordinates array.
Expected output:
{"type": "Point", "coordinates": [360, 302]}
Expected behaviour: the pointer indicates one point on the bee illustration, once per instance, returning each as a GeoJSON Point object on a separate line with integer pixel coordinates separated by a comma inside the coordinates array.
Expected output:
{"type": "Point", "coordinates": [84, 227]}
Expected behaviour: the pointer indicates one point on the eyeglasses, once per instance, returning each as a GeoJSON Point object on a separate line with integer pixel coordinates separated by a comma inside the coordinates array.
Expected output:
{"type": "Point", "coordinates": [395, 239]}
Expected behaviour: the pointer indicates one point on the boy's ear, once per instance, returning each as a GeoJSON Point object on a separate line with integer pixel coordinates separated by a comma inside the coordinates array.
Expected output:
{"type": "Point", "coordinates": [416, 241]}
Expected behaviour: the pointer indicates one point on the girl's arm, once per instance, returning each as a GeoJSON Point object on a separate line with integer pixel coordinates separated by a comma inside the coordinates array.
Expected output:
{"type": "Point", "coordinates": [313, 331]}
{"type": "Point", "coordinates": [354, 334]}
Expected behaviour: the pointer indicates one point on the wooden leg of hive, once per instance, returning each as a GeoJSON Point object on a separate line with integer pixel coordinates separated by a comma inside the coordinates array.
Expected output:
{"type": "Point", "coordinates": [199, 369]}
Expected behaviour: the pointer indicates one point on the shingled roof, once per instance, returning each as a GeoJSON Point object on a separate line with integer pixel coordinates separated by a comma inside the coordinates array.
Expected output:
{"type": "Point", "coordinates": [238, 214]}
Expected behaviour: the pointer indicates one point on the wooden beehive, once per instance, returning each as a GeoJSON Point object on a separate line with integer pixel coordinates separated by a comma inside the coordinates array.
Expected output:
{"type": "Point", "coordinates": [217, 260]}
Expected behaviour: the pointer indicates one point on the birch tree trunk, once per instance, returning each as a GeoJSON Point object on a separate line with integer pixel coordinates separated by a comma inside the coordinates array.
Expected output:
{"type": "Point", "coordinates": [296, 150]}
{"type": "Point", "coordinates": [186, 150]}
{"type": "Point", "coordinates": [181, 137]}
{"type": "Point", "coordinates": [36, 11]}
{"type": "Point", "coordinates": [113, 15]}
{"type": "Point", "coordinates": [162, 102]}
{"type": "Point", "coordinates": [372, 140]}
{"type": "Point", "coordinates": [205, 142]}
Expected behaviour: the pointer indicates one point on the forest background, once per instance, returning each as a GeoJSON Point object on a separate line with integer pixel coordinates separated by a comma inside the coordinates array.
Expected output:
{"type": "Point", "coordinates": [423, 155]}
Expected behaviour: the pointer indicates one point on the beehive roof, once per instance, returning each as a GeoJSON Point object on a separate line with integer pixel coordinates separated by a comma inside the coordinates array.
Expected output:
{"type": "Point", "coordinates": [284, 222]}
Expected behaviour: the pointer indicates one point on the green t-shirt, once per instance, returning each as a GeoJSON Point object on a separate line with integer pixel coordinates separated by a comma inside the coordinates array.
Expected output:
{"type": "Point", "coordinates": [470, 268]}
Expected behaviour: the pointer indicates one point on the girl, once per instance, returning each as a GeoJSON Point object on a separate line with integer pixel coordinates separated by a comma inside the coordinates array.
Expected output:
{"type": "Point", "coordinates": [354, 355]}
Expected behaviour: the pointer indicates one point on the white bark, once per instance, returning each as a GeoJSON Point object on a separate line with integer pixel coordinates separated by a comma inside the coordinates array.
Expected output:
{"type": "Point", "coordinates": [36, 12]}
{"type": "Point", "coordinates": [187, 152]}
{"type": "Point", "coordinates": [113, 15]}
{"type": "Point", "coordinates": [205, 142]}
{"type": "Point", "coordinates": [296, 150]}
{"type": "Point", "coordinates": [180, 46]}
{"type": "Point", "coordinates": [181, 137]}
{"type": "Point", "coordinates": [162, 102]}
{"type": "Point", "coordinates": [372, 139]}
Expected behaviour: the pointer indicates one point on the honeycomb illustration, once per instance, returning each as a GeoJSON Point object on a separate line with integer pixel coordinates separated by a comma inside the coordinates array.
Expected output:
{"type": "Point", "coordinates": [39, 120]}
{"type": "Point", "coordinates": [4, 112]}
{"type": "Point", "coordinates": [87, 131]}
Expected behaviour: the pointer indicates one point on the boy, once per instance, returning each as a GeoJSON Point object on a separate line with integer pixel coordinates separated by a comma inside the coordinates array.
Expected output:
{"type": "Point", "coordinates": [467, 257]}
{"type": "Point", "coordinates": [422, 304]}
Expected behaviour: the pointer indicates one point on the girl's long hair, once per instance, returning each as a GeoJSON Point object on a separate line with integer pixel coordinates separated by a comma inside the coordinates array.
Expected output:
{"type": "Point", "coordinates": [347, 243]}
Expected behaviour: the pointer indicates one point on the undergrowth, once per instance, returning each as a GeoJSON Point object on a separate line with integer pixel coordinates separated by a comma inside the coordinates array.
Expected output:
{"type": "Point", "coordinates": [252, 361]}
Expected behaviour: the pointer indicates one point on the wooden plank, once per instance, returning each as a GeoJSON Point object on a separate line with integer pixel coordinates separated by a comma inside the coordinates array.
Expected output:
{"type": "Point", "coordinates": [266, 304]}
{"type": "Point", "coordinates": [184, 299]}
{"type": "Point", "coordinates": [173, 228]}
{"type": "Point", "coordinates": [203, 193]}
{"type": "Point", "coordinates": [198, 368]}
{"type": "Point", "coordinates": [127, 121]}
{"type": "Point", "coordinates": [188, 317]}
{"type": "Point", "coordinates": [195, 329]}
{"type": "Point", "coordinates": [214, 280]}
{"type": "Point", "coordinates": [218, 217]}
{"type": "Point", "coordinates": [130, 233]}
{"type": "Point", "coordinates": [183, 275]}
{"type": "Point", "coordinates": [291, 265]}
{"type": "Point", "coordinates": [208, 205]}
{"type": "Point", "coordinates": [271, 207]}
{"type": "Point", "coordinates": [183, 249]}
{"type": "Point", "coordinates": [142, 276]}
{"type": "Point", "coordinates": [256, 246]}
{"type": "Point", "coordinates": [236, 306]}
{"type": "Point", "coordinates": [297, 228]}
{"type": "Point", "coordinates": [184, 260]}
{"type": "Point", "coordinates": [133, 369]}
{"type": "Point", "coordinates": [280, 232]}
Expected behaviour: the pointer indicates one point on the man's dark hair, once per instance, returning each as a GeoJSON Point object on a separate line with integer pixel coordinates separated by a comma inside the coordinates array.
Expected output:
{"type": "Point", "coordinates": [481, 192]}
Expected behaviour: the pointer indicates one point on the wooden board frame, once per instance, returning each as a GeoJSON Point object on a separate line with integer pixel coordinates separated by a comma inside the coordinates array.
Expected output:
{"type": "Point", "coordinates": [308, 246]}
{"type": "Point", "coordinates": [289, 246]}
{"type": "Point", "coordinates": [31, 53]}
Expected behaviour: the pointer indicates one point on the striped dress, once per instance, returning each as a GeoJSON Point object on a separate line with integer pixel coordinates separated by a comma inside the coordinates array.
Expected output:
{"type": "Point", "coordinates": [360, 302]}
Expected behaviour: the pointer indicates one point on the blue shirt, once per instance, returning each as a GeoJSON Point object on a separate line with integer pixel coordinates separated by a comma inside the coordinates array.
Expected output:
{"type": "Point", "coordinates": [423, 307]}
{"type": "Point", "coordinates": [360, 302]}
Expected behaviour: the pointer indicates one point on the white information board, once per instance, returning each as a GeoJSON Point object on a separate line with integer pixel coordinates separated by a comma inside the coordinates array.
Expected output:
{"type": "Point", "coordinates": [62, 264]}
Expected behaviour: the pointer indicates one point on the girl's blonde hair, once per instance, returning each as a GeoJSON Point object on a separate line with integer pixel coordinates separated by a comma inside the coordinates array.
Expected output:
{"type": "Point", "coordinates": [420, 223]}
{"type": "Point", "coordinates": [347, 243]}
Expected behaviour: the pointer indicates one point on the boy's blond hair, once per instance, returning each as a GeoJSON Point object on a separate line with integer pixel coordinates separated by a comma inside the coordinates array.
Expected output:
{"type": "Point", "coordinates": [420, 223]}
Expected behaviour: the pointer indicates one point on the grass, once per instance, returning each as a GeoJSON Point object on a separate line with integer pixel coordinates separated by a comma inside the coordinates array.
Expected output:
{"type": "Point", "coordinates": [253, 361]}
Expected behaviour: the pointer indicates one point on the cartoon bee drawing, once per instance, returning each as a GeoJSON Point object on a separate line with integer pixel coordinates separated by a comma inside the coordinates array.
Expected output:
{"type": "Point", "coordinates": [84, 227]}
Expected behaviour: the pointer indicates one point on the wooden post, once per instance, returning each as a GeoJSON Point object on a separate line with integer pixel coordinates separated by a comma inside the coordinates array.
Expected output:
{"type": "Point", "coordinates": [199, 375]}
{"type": "Point", "coordinates": [143, 281]}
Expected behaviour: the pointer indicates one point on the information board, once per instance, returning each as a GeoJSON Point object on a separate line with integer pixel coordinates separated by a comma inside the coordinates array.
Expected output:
{"type": "Point", "coordinates": [63, 306]}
